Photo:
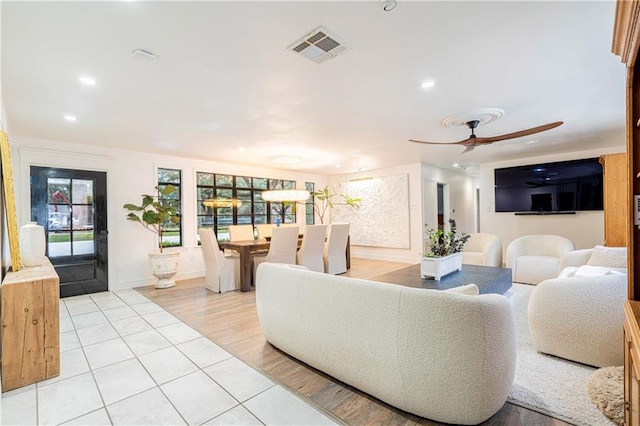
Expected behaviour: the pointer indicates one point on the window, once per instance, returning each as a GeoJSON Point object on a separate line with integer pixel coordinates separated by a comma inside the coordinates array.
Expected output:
{"type": "Point", "coordinates": [172, 236]}
{"type": "Point", "coordinates": [309, 215]}
{"type": "Point", "coordinates": [224, 200]}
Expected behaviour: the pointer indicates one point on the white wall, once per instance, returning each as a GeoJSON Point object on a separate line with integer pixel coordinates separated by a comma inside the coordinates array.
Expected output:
{"type": "Point", "coordinates": [585, 229]}
{"type": "Point", "coordinates": [130, 174]}
{"type": "Point", "coordinates": [461, 196]}
{"type": "Point", "coordinates": [461, 205]}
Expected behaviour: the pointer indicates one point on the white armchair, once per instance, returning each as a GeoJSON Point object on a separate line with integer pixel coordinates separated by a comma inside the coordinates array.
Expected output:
{"type": "Point", "coordinates": [483, 249]}
{"type": "Point", "coordinates": [578, 315]}
{"type": "Point", "coordinates": [579, 318]}
{"type": "Point", "coordinates": [535, 258]}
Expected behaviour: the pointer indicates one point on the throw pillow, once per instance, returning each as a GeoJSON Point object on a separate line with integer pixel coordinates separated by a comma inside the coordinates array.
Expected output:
{"type": "Point", "coordinates": [595, 271]}
{"type": "Point", "coordinates": [612, 257]}
{"type": "Point", "coordinates": [469, 289]}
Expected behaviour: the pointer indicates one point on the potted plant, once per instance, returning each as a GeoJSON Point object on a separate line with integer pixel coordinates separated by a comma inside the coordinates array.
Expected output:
{"type": "Point", "coordinates": [153, 214]}
{"type": "Point", "coordinates": [443, 252]}
{"type": "Point", "coordinates": [325, 199]}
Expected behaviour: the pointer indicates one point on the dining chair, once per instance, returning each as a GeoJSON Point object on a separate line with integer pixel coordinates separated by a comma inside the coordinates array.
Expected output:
{"type": "Point", "coordinates": [240, 232]}
{"type": "Point", "coordinates": [283, 248]}
{"type": "Point", "coordinates": [221, 273]}
{"type": "Point", "coordinates": [264, 230]}
{"type": "Point", "coordinates": [335, 251]}
{"type": "Point", "coordinates": [311, 252]}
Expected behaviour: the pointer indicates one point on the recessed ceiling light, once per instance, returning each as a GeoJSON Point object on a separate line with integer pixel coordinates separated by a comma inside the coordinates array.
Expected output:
{"type": "Point", "coordinates": [337, 166]}
{"type": "Point", "coordinates": [456, 165]}
{"type": "Point", "coordinates": [87, 80]}
{"type": "Point", "coordinates": [241, 148]}
{"type": "Point", "coordinates": [532, 142]}
{"type": "Point", "coordinates": [428, 84]}
{"type": "Point", "coordinates": [70, 117]}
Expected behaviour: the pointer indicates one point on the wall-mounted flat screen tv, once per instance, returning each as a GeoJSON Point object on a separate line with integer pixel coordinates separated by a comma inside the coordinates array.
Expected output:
{"type": "Point", "coordinates": [565, 186]}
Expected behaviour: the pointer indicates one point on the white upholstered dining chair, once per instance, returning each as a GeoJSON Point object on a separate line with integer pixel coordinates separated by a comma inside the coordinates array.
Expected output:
{"type": "Point", "coordinates": [335, 252]}
{"type": "Point", "coordinates": [311, 251]}
{"type": "Point", "coordinates": [240, 232]}
{"type": "Point", "coordinates": [264, 230]}
{"type": "Point", "coordinates": [221, 273]}
{"type": "Point", "coordinates": [283, 247]}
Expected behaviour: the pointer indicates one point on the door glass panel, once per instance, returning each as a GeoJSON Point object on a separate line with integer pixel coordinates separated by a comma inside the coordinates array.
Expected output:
{"type": "Point", "coordinates": [82, 217]}
{"type": "Point", "coordinates": [58, 191]}
{"type": "Point", "coordinates": [82, 191]}
{"type": "Point", "coordinates": [83, 242]}
{"type": "Point", "coordinates": [70, 217]}
{"type": "Point", "coordinates": [59, 244]}
{"type": "Point", "coordinates": [59, 217]}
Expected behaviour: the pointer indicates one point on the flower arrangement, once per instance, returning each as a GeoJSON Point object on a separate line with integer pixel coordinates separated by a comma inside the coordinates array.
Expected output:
{"type": "Point", "coordinates": [443, 243]}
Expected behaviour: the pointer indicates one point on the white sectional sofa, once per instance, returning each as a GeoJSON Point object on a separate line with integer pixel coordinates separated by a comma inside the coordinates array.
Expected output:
{"type": "Point", "coordinates": [578, 315]}
{"type": "Point", "coordinates": [440, 355]}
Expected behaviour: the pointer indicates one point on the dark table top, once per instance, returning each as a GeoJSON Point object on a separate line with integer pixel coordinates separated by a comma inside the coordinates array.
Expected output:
{"type": "Point", "coordinates": [489, 279]}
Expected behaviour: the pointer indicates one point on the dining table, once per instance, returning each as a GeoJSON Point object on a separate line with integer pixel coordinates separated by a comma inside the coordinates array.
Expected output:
{"type": "Point", "coordinates": [247, 248]}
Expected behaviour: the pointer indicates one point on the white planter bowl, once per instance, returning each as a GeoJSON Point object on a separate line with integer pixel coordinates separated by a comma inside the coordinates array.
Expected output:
{"type": "Point", "coordinates": [164, 266]}
{"type": "Point", "coordinates": [438, 267]}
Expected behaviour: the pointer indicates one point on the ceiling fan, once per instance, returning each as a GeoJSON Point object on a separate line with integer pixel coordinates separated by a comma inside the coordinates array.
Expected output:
{"type": "Point", "coordinates": [472, 141]}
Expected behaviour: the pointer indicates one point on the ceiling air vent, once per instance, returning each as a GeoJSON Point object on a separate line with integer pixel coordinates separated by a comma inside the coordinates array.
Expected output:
{"type": "Point", "coordinates": [319, 45]}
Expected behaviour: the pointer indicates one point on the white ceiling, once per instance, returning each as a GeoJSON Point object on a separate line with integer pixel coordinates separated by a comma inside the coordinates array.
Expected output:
{"type": "Point", "coordinates": [224, 79]}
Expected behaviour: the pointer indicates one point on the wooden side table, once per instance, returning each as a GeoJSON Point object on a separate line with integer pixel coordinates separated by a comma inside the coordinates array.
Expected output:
{"type": "Point", "coordinates": [30, 326]}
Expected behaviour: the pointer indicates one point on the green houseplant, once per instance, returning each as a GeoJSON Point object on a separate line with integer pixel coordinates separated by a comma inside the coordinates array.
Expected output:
{"type": "Point", "coordinates": [442, 243]}
{"type": "Point", "coordinates": [154, 214]}
{"type": "Point", "coordinates": [324, 199]}
{"type": "Point", "coordinates": [443, 251]}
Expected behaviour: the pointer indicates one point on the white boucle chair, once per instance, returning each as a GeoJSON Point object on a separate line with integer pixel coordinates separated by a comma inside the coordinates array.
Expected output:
{"type": "Point", "coordinates": [580, 318]}
{"type": "Point", "coordinates": [578, 315]}
{"type": "Point", "coordinates": [444, 356]}
{"type": "Point", "coordinates": [535, 258]}
{"type": "Point", "coordinates": [221, 273]}
{"type": "Point", "coordinates": [483, 249]}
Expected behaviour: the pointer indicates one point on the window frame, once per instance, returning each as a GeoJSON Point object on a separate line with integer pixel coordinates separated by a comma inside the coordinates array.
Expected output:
{"type": "Point", "coordinates": [162, 199]}
{"type": "Point", "coordinates": [287, 212]}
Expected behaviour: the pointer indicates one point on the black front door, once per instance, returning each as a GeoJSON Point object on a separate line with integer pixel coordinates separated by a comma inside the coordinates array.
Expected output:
{"type": "Point", "coordinates": [72, 207]}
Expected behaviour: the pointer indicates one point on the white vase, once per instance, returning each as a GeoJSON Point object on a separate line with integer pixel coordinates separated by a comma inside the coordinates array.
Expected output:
{"type": "Point", "coordinates": [438, 267]}
{"type": "Point", "coordinates": [32, 244]}
{"type": "Point", "coordinates": [164, 266]}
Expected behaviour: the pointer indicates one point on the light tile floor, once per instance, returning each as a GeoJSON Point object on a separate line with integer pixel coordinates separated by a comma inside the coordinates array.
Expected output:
{"type": "Point", "coordinates": [126, 361]}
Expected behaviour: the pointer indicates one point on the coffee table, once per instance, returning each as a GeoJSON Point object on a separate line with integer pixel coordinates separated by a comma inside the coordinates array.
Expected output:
{"type": "Point", "coordinates": [489, 279]}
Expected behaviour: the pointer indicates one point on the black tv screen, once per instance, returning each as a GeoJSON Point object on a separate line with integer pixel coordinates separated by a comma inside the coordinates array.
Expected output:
{"type": "Point", "coordinates": [550, 187]}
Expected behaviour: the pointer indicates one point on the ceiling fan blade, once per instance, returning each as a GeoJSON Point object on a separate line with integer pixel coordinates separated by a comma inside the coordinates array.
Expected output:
{"type": "Point", "coordinates": [521, 133]}
{"type": "Point", "coordinates": [468, 148]}
{"type": "Point", "coordinates": [441, 143]}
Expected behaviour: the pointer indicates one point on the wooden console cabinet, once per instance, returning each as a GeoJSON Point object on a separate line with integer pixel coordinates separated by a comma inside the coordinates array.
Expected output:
{"type": "Point", "coordinates": [631, 363]}
{"type": "Point", "coordinates": [30, 329]}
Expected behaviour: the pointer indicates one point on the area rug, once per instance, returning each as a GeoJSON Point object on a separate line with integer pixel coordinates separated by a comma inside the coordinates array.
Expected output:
{"type": "Point", "coordinates": [606, 389]}
{"type": "Point", "coordinates": [547, 384]}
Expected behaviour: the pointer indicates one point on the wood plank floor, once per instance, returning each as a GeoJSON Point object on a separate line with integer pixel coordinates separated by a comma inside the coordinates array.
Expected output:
{"type": "Point", "coordinates": [230, 320]}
